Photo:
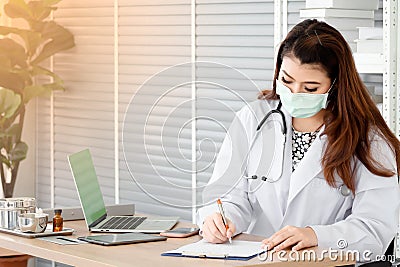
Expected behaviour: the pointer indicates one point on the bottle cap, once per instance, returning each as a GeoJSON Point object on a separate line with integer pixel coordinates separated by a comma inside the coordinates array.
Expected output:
{"type": "Point", "coordinates": [57, 211]}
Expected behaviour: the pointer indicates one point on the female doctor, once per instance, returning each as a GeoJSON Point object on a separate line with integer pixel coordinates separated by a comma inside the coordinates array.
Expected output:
{"type": "Point", "coordinates": [321, 169]}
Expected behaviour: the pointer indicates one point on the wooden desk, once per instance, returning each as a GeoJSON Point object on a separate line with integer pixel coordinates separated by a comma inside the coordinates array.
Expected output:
{"type": "Point", "coordinates": [143, 254]}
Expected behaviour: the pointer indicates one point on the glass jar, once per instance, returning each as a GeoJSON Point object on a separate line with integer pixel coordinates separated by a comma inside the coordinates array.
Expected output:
{"type": "Point", "coordinates": [57, 221]}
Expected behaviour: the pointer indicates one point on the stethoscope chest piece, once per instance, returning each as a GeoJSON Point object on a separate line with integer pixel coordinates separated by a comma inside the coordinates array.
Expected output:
{"type": "Point", "coordinates": [267, 179]}
{"type": "Point", "coordinates": [344, 190]}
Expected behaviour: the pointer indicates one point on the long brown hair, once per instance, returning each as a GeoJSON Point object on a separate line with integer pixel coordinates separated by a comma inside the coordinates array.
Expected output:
{"type": "Point", "coordinates": [351, 114]}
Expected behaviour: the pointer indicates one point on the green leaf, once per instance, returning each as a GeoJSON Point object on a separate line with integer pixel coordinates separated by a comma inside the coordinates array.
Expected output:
{"type": "Point", "coordinates": [39, 10]}
{"type": "Point", "coordinates": [14, 51]}
{"type": "Point", "coordinates": [34, 91]}
{"type": "Point", "coordinates": [5, 63]}
{"type": "Point", "coordinates": [55, 86]}
{"type": "Point", "coordinates": [18, 152]}
{"type": "Point", "coordinates": [38, 70]}
{"type": "Point", "coordinates": [4, 30]}
{"type": "Point", "coordinates": [31, 39]}
{"type": "Point", "coordinates": [9, 103]}
{"type": "Point", "coordinates": [11, 80]}
{"type": "Point", "coordinates": [51, 2]}
{"type": "Point", "coordinates": [40, 90]}
{"type": "Point", "coordinates": [4, 160]}
{"type": "Point", "coordinates": [13, 130]}
{"type": "Point", "coordinates": [14, 78]}
{"type": "Point", "coordinates": [60, 39]}
{"type": "Point", "coordinates": [25, 76]}
{"type": "Point", "coordinates": [17, 9]}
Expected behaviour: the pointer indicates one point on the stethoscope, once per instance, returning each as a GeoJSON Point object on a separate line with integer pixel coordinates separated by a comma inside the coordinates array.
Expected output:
{"type": "Point", "coordinates": [258, 131]}
{"type": "Point", "coordinates": [343, 189]}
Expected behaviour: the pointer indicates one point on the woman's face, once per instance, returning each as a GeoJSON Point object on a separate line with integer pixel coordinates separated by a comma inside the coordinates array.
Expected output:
{"type": "Point", "coordinates": [303, 78]}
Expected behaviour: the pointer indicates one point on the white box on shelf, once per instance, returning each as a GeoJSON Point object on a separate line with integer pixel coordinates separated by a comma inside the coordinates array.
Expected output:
{"type": "Point", "coordinates": [378, 14]}
{"type": "Point", "coordinates": [337, 13]}
{"type": "Point", "coordinates": [347, 23]}
{"type": "Point", "coordinates": [369, 46]}
{"type": "Point", "coordinates": [343, 4]}
{"type": "Point", "coordinates": [370, 33]}
{"type": "Point", "coordinates": [375, 98]}
{"type": "Point", "coordinates": [349, 35]}
{"type": "Point", "coordinates": [378, 90]}
{"type": "Point", "coordinates": [368, 58]}
{"type": "Point", "coordinates": [362, 68]}
{"type": "Point", "coordinates": [369, 62]}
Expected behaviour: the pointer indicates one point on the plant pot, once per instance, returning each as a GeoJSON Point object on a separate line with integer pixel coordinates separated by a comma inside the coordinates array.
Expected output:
{"type": "Point", "coordinates": [14, 261]}
{"type": "Point", "coordinates": [9, 258]}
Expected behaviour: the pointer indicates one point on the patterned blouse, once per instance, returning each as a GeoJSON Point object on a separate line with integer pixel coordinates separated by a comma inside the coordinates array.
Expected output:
{"type": "Point", "coordinates": [301, 141]}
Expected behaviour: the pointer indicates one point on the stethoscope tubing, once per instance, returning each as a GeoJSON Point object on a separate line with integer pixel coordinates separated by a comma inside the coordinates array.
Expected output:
{"type": "Point", "coordinates": [343, 189]}
{"type": "Point", "coordinates": [278, 111]}
{"type": "Point", "coordinates": [258, 131]}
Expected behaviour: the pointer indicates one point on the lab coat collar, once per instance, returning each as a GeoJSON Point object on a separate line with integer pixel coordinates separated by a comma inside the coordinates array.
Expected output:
{"type": "Point", "coordinates": [309, 167]}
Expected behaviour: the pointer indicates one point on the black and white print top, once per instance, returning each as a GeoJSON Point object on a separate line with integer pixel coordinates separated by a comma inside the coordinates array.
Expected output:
{"type": "Point", "coordinates": [301, 141]}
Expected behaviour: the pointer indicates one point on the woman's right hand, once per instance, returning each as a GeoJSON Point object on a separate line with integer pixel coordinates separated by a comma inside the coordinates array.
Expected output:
{"type": "Point", "coordinates": [214, 230]}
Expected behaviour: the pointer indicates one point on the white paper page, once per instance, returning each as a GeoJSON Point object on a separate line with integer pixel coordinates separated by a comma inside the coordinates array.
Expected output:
{"type": "Point", "coordinates": [238, 248]}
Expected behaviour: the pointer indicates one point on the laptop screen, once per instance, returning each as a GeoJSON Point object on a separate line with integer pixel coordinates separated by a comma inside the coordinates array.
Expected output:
{"type": "Point", "coordinates": [87, 185]}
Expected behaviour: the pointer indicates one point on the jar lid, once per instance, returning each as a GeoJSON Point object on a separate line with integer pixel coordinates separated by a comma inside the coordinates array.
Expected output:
{"type": "Point", "coordinates": [20, 202]}
{"type": "Point", "coordinates": [57, 211]}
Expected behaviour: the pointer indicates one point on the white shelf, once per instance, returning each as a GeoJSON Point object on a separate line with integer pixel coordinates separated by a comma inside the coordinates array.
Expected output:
{"type": "Point", "coordinates": [346, 4]}
{"type": "Point", "coordinates": [369, 62]}
{"type": "Point", "coordinates": [370, 69]}
{"type": "Point", "coordinates": [337, 13]}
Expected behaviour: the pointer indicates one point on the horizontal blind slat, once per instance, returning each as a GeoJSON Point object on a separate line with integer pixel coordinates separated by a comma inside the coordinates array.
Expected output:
{"type": "Point", "coordinates": [153, 39]}
{"type": "Point", "coordinates": [245, 52]}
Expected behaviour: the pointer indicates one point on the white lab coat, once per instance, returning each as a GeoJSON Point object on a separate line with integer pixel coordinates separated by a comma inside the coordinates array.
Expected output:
{"type": "Point", "coordinates": [366, 220]}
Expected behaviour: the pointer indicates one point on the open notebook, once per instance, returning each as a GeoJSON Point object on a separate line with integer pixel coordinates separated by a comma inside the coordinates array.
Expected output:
{"type": "Point", "coordinates": [238, 250]}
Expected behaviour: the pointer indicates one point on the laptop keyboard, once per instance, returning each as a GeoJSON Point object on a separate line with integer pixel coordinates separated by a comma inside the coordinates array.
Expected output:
{"type": "Point", "coordinates": [123, 222]}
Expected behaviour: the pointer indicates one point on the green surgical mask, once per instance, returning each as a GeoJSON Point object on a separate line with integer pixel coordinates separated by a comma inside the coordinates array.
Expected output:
{"type": "Point", "coordinates": [301, 105]}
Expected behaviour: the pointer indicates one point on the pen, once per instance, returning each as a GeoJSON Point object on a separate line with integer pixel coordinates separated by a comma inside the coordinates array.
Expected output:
{"type": "Point", "coordinates": [67, 239]}
{"type": "Point", "coordinates": [221, 210]}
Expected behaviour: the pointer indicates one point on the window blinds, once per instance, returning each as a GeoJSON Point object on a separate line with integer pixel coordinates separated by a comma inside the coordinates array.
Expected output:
{"type": "Point", "coordinates": [83, 114]}
{"type": "Point", "coordinates": [234, 39]}
{"type": "Point", "coordinates": [233, 47]}
{"type": "Point", "coordinates": [154, 37]}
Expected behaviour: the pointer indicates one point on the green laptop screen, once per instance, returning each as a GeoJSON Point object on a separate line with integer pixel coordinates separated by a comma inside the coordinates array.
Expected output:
{"type": "Point", "coordinates": [87, 185]}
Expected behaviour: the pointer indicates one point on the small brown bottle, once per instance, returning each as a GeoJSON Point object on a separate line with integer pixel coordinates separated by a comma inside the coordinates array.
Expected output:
{"type": "Point", "coordinates": [57, 221]}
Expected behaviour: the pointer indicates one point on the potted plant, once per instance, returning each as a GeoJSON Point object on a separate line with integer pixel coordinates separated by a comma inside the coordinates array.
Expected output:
{"type": "Point", "coordinates": [23, 77]}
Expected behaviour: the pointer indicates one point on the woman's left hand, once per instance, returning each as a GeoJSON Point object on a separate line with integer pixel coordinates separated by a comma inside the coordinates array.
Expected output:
{"type": "Point", "coordinates": [291, 235]}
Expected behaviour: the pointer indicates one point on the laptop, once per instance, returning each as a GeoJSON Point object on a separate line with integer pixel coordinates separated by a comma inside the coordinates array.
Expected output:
{"type": "Point", "coordinates": [93, 206]}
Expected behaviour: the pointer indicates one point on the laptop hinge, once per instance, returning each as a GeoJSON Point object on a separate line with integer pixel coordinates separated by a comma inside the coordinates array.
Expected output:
{"type": "Point", "coordinates": [99, 220]}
